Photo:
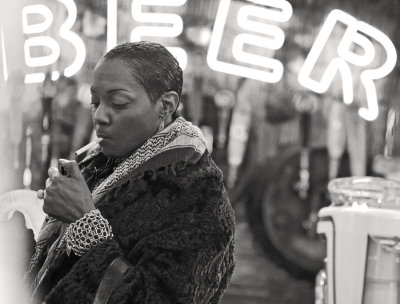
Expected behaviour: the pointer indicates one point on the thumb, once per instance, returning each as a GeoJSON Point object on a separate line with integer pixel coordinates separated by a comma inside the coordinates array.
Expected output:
{"type": "Point", "coordinates": [70, 168]}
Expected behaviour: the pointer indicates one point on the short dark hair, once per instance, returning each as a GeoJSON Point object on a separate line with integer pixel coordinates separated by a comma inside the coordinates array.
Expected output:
{"type": "Point", "coordinates": [152, 65]}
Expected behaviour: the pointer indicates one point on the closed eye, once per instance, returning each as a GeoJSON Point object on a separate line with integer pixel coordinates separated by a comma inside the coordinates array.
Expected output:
{"type": "Point", "coordinates": [119, 102]}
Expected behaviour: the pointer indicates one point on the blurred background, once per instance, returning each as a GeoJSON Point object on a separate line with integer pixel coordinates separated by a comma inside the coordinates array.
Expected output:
{"type": "Point", "coordinates": [278, 88]}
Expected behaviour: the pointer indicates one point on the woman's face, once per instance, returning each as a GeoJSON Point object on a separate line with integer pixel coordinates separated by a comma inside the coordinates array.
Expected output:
{"type": "Point", "coordinates": [122, 112]}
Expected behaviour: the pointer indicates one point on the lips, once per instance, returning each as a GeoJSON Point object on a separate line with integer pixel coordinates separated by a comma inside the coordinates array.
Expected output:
{"type": "Point", "coordinates": [102, 135]}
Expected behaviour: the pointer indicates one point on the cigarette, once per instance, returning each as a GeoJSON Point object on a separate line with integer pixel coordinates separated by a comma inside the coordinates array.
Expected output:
{"type": "Point", "coordinates": [87, 147]}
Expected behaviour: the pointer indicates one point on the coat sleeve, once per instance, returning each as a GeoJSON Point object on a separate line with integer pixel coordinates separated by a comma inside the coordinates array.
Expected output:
{"type": "Point", "coordinates": [187, 258]}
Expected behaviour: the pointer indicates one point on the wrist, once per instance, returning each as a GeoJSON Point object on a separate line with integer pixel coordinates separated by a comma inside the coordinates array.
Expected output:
{"type": "Point", "coordinates": [87, 208]}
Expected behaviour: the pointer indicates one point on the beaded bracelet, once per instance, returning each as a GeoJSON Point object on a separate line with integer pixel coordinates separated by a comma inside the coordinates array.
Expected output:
{"type": "Point", "coordinates": [87, 232]}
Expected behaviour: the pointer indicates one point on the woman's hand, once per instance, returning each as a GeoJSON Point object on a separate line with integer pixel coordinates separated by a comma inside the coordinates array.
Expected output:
{"type": "Point", "coordinates": [67, 196]}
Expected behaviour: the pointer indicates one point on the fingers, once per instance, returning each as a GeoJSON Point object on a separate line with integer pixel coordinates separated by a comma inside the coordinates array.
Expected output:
{"type": "Point", "coordinates": [53, 172]}
{"type": "Point", "coordinates": [71, 167]}
{"type": "Point", "coordinates": [41, 194]}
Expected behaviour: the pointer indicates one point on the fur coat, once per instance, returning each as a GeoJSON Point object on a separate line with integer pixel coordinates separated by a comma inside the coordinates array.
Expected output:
{"type": "Point", "coordinates": [174, 225]}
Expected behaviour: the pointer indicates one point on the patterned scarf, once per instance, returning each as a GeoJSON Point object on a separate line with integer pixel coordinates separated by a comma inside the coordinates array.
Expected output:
{"type": "Point", "coordinates": [181, 141]}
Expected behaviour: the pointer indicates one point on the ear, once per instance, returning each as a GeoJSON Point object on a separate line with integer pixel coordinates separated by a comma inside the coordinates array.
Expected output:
{"type": "Point", "coordinates": [169, 102]}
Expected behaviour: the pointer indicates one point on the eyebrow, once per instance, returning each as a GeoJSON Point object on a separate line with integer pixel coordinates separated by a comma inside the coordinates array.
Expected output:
{"type": "Point", "coordinates": [117, 90]}
{"type": "Point", "coordinates": [110, 91]}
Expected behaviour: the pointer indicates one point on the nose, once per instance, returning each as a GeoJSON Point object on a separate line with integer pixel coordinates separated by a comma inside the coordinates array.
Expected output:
{"type": "Point", "coordinates": [101, 115]}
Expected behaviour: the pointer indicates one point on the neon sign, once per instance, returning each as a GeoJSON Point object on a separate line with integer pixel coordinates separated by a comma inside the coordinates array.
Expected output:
{"type": "Point", "coordinates": [159, 31]}
{"type": "Point", "coordinates": [112, 8]}
{"type": "Point", "coordinates": [49, 42]}
{"type": "Point", "coordinates": [67, 34]}
{"type": "Point", "coordinates": [261, 34]}
{"type": "Point", "coordinates": [261, 24]}
{"type": "Point", "coordinates": [357, 33]}
{"type": "Point", "coordinates": [4, 57]}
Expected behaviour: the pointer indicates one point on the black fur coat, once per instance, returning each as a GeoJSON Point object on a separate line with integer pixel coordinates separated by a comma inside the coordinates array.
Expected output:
{"type": "Point", "coordinates": [175, 227]}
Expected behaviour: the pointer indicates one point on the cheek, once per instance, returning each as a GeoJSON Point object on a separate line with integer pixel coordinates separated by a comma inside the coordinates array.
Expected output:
{"type": "Point", "coordinates": [136, 129]}
{"type": "Point", "coordinates": [129, 133]}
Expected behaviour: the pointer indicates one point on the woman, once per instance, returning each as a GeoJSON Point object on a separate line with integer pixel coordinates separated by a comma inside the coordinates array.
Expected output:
{"type": "Point", "coordinates": [145, 217]}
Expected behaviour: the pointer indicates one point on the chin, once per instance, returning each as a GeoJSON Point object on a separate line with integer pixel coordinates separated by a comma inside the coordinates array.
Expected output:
{"type": "Point", "coordinates": [110, 153]}
{"type": "Point", "coordinates": [113, 153]}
